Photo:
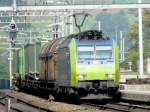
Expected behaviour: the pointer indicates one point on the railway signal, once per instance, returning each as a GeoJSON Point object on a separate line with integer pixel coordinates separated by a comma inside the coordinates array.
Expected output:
{"type": "Point", "coordinates": [12, 30]}
{"type": "Point", "coordinates": [12, 36]}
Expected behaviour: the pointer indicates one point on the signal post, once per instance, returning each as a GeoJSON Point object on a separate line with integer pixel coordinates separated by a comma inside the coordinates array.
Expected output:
{"type": "Point", "coordinates": [12, 36]}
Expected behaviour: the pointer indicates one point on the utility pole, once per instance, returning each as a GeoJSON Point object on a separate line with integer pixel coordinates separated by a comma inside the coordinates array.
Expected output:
{"type": "Point", "coordinates": [14, 6]}
{"type": "Point", "coordinates": [10, 64]}
{"type": "Point", "coordinates": [30, 41]}
{"type": "Point", "coordinates": [99, 25]}
{"type": "Point", "coordinates": [121, 47]}
{"type": "Point", "coordinates": [116, 34]}
{"type": "Point", "coordinates": [63, 27]}
{"type": "Point", "coordinates": [12, 36]}
{"type": "Point", "coordinates": [7, 103]}
{"type": "Point", "coordinates": [71, 22]}
{"type": "Point", "coordinates": [140, 41]}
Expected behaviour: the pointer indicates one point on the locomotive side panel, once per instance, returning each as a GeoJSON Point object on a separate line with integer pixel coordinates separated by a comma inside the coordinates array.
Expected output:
{"type": "Point", "coordinates": [117, 64]}
{"type": "Point", "coordinates": [72, 52]}
{"type": "Point", "coordinates": [63, 75]}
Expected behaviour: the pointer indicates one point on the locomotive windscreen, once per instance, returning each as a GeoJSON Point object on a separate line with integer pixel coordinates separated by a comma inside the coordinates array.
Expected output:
{"type": "Point", "coordinates": [94, 53]}
{"type": "Point", "coordinates": [85, 52]}
{"type": "Point", "coordinates": [103, 52]}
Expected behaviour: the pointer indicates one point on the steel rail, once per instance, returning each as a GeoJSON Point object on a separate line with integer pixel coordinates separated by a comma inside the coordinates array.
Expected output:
{"type": "Point", "coordinates": [122, 107]}
{"type": "Point", "coordinates": [22, 102]}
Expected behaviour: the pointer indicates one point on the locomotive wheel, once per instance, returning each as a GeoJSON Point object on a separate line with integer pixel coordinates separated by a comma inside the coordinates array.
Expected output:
{"type": "Point", "coordinates": [117, 96]}
{"type": "Point", "coordinates": [73, 98]}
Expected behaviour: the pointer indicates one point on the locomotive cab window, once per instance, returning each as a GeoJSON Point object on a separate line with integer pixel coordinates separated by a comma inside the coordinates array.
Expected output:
{"type": "Point", "coordinates": [104, 52]}
{"type": "Point", "coordinates": [90, 54]}
{"type": "Point", "coordinates": [85, 52]}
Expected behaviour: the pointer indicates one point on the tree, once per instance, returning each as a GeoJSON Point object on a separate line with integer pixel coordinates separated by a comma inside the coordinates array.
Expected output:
{"type": "Point", "coordinates": [134, 42]}
{"type": "Point", "coordinates": [111, 21]}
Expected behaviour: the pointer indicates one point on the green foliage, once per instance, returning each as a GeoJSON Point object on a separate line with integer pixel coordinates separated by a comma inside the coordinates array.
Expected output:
{"type": "Point", "coordinates": [112, 21]}
{"type": "Point", "coordinates": [3, 71]}
{"type": "Point", "coordinates": [40, 25]}
{"type": "Point", "coordinates": [133, 39]}
{"type": "Point", "coordinates": [124, 65]}
{"type": "Point", "coordinates": [88, 23]}
{"type": "Point", "coordinates": [5, 2]}
{"type": "Point", "coordinates": [4, 66]}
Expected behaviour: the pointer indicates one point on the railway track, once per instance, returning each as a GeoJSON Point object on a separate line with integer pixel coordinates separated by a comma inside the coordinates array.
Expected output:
{"type": "Point", "coordinates": [119, 107]}
{"type": "Point", "coordinates": [19, 105]}
{"type": "Point", "coordinates": [20, 102]}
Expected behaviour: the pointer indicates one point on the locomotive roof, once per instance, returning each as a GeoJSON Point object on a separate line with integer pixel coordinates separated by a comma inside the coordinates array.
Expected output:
{"type": "Point", "coordinates": [98, 42]}
{"type": "Point", "coordinates": [88, 35]}
{"type": "Point", "coordinates": [51, 47]}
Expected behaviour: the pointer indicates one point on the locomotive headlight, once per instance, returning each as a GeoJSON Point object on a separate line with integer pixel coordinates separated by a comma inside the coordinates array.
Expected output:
{"type": "Point", "coordinates": [82, 76]}
{"type": "Point", "coordinates": [109, 75]}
